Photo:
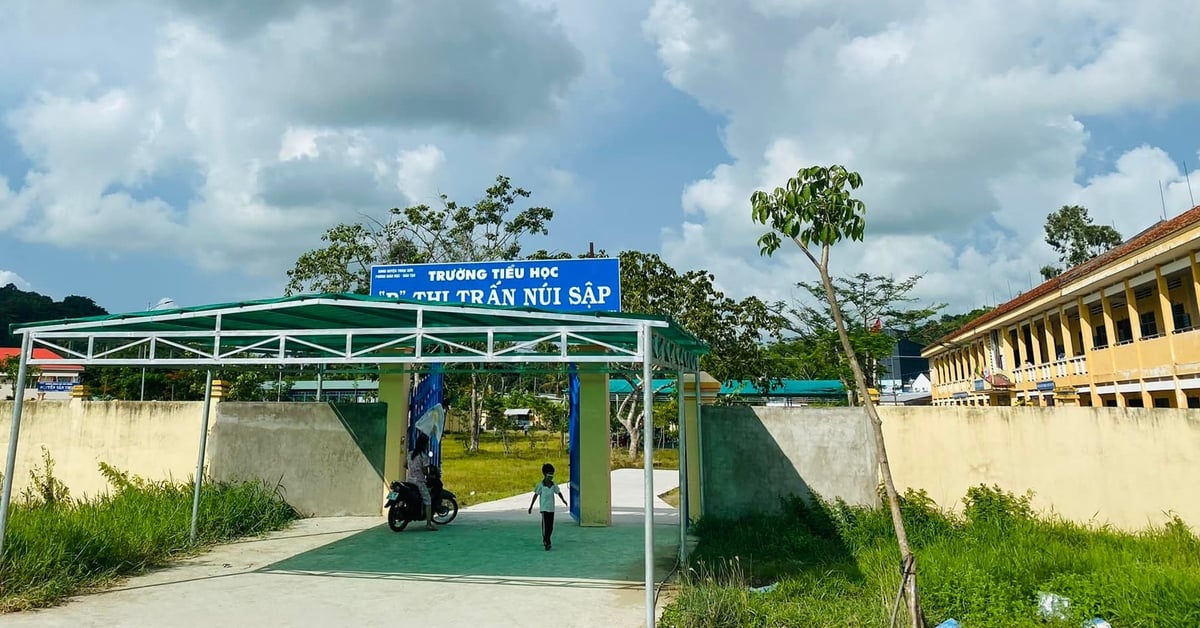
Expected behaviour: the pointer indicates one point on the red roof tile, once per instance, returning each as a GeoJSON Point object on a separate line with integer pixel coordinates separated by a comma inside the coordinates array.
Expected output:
{"type": "Point", "coordinates": [1155, 232]}
{"type": "Point", "coordinates": [40, 354]}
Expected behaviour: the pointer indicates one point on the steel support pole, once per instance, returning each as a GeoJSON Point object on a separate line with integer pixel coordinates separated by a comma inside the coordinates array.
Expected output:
{"type": "Point", "coordinates": [699, 458]}
{"type": "Point", "coordinates": [200, 456]}
{"type": "Point", "coordinates": [648, 456]}
{"type": "Point", "coordinates": [683, 471]}
{"type": "Point", "coordinates": [14, 432]}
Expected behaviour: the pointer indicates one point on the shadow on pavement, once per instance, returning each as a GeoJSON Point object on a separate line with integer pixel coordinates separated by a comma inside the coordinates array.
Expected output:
{"type": "Point", "coordinates": [493, 551]}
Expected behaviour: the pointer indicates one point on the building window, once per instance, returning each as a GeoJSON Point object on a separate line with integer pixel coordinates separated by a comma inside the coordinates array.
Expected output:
{"type": "Point", "coordinates": [1162, 402]}
{"type": "Point", "coordinates": [1183, 320]}
{"type": "Point", "coordinates": [1100, 338]}
{"type": "Point", "coordinates": [1124, 331]}
{"type": "Point", "coordinates": [1149, 326]}
{"type": "Point", "coordinates": [1193, 402]}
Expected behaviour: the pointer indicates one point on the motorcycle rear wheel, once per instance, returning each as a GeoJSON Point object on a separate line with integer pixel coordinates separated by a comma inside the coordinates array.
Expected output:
{"type": "Point", "coordinates": [446, 511]}
{"type": "Point", "coordinates": [396, 520]}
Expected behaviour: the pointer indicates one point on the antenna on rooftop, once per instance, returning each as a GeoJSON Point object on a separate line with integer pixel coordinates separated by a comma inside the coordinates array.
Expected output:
{"type": "Point", "coordinates": [1162, 199]}
{"type": "Point", "coordinates": [1188, 177]}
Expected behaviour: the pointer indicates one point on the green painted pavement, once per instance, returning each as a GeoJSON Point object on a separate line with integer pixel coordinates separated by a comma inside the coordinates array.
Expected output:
{"type": "Point", "coordinates": [501, 549]}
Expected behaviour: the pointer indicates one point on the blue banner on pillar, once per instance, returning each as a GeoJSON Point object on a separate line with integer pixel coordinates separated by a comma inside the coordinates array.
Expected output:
{"type": "Point", "coordinates": [573, 428]}
{"type": "Point", "coordinates": [427, 412]}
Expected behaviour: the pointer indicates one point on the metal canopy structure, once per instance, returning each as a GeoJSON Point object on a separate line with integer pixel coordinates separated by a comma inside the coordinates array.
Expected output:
{"type": "Point", "coordinates": [355, 329]}
{"type": "Point", "coordinates": [332, 328]}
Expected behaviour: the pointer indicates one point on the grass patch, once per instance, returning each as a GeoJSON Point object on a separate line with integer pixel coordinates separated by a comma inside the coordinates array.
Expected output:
{"type": "Point", "coordinates": [671, 497]}
{"type": "Point", "coordinates": [58, 547]}
{"type": "Point", "coordinates": [493, 475]}
{"type": "Point", "coordinates": [837, 565]}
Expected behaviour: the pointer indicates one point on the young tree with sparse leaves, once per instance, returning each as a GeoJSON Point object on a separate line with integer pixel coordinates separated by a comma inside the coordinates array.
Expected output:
{"type": "Point", "coordinates": [872, 305]}
{"type": "Point", "coordinates": [10, 368]}
{"type": "Point", "coordinates": [816, 210]}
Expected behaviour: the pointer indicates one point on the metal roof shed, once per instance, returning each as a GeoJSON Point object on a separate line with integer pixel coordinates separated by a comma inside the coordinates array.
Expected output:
{"type": "Point", "coordinates": [335, 328]}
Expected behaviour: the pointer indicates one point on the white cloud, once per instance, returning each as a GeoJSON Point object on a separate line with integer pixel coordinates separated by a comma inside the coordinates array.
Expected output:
{"type": "Point", "coordinates": [9, 277]}
{"type": "Point", "coordinates": [284, 120]}
{"type": "Point", "coordinates": [964, 120]}
{"type": "Point", "coordinates": [418, 172]}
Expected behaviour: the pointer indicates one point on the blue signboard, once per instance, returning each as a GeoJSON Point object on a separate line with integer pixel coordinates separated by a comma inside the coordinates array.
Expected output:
{"type": "Point", "coordinates": [568, 285]}
{"type": "Point", "coordinates": [55, 386]}
{"type": "Point", "coordinates": [1045, 386]}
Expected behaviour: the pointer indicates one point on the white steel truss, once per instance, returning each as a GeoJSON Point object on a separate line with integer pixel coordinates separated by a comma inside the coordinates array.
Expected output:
{"type": "Point", "coordinates": [209, 340]}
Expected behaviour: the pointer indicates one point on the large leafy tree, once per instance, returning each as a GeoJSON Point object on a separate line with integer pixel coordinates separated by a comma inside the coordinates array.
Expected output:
{"type": "Point", "coordinates": [1070, 232]}
{"type": "Point", "coordinates": [876, 311]}
{"type": "Point", "coordinates": [933, 330]}
{"type": "Point", "coordinates": [815, 210]}
{"type": "Point", "coordinates": [734, 330]}
{"type": "Point", "coordinates": [490, 229]}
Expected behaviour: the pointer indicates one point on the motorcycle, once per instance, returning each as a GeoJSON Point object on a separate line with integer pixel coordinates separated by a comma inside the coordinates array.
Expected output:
{"type": "Point", "coordinates": [404, 506]}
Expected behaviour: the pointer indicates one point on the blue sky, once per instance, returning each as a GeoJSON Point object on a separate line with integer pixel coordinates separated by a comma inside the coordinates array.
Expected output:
{"type": "Point", "coordinates": [153, 149]}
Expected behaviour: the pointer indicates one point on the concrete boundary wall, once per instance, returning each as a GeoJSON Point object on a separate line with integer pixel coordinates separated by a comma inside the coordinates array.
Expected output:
{"type": "Point", "coordinates": [1123, 466]}
{"type": "Point", "coordinates": [754, 456]}
{"type": "Point", "coordinates": [156, 440]}
{"type": "Point", "coordinates": [1127, 467]}
{"type": "Point", "coordinates": [326, 467]}
{"type": "Point", "coordinates": [329, 463]}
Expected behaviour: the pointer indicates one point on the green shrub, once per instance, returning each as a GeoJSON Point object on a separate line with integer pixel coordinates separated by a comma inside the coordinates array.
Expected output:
{"type": "Point", "coordinates": [57, 547]}
{"type": "Point", "coordinates": [838, 565]}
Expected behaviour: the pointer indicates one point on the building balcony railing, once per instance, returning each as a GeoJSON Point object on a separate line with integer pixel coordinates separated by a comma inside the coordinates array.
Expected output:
{"type": "Point", "coordinates": [1023, 377]}
{"type": "Point", "coordinates": [1058, 369]}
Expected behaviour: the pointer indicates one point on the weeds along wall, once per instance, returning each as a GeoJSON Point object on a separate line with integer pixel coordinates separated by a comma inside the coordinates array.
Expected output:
{"type": "Point", "coordinates": [156, 440]}
{"type": "Point", "coordinates": [1126, 467]}
{"type": "Point", "coordinates": [328, 460]}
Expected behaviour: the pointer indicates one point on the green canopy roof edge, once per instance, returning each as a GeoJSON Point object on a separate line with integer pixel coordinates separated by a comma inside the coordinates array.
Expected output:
{"type": "Point", "coordinates": [675, 331]}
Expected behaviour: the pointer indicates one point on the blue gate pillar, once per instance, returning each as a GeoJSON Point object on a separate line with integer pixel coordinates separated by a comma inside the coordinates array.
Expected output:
{"type": "Point", "coordinates": [394, 391]}
{"type": "Point", "coordinates": [595, 459]}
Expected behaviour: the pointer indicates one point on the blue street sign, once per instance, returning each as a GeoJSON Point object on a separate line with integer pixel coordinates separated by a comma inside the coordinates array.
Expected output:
{"type": "Point", "coordinates": [568, 285]}
{"type": "Point", "coordinates": [55, 386]}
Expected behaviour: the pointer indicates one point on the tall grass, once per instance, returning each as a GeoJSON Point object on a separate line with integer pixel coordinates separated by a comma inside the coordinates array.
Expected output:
{"type": "Point", "coordinates": [58, 547]}
{"type": "Point", "coordinates": [837, 565]}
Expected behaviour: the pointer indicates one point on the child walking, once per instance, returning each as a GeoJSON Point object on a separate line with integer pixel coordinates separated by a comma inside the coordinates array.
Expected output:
{"type": "Point", "coordinates": [546, 490]}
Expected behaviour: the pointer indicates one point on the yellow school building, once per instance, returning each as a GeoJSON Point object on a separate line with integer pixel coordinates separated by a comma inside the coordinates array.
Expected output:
{"type": "Point", "coordinates": [1118, 330]}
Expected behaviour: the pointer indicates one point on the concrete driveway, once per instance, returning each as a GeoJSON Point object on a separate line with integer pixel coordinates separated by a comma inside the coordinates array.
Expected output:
{"type": "Point", "coordinates": [487, 568]}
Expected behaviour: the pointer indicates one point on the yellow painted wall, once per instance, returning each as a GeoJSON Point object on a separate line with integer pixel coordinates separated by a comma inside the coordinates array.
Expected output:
{"type": "Point", "coordinates": [303, 445]}
{"type": "Point", "coordinates": [156, 440]}
{"type": "Point", "coordinates": [595, 455]}
{"type": "Point", "coordinates": [1124, 466]}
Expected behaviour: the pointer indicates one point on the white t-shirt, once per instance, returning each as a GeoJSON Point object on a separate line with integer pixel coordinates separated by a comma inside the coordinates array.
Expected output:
{"type": "Point", "coordinates": [546, 495]}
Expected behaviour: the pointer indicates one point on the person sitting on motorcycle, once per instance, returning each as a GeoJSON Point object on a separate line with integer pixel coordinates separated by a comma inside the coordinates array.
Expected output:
{"type": "Point", "coordinates": [418, 466]}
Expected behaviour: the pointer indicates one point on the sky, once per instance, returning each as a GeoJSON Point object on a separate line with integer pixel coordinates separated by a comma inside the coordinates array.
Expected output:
{"type": "Point", "coordinates": [166, 148]}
